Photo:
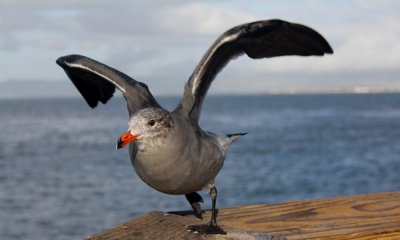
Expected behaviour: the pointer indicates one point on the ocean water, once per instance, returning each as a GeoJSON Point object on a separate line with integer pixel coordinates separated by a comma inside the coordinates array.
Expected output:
{"type": "Point", "coordinates": [61, 177]}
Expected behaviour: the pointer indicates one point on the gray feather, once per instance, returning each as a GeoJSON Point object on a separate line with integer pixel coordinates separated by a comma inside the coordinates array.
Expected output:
{"type": "Point", "coordinates": [260, 39]}
{"type": "Point", "coordinates": [97, 82]}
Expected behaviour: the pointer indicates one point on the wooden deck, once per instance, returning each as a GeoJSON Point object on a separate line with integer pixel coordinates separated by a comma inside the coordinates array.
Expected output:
{"type": "Point", "coordinates": [362, 217]}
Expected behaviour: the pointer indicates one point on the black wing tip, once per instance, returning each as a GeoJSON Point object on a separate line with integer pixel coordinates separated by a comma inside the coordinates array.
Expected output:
{"type": "Point", "coordinates": [91, 97]}
{"type": "Point", "coordinates": [320, 44]}
{"type": "Point", "coordinates": [92, 103]}
{"type": "Point", "coordinates": [68, 59]}
{"type": "Point", "coordinates": [329, 49]}
{"type": "Point", "coordinates": [61, 62]}
{"type": "Point", "coordinates": [320, 41]}
{"type": "Point", "coordinates": [326, 49]}
{"type": "Point", "coordinates": [323, 49]}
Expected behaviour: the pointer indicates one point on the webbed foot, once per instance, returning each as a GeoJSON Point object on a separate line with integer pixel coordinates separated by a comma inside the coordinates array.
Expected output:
{"type": "Point", "coordinates": [207, 229]}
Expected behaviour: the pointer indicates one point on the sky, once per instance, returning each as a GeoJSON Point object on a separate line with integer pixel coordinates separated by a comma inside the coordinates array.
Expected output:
{"type": "Point", "coordinates": [160, 42]}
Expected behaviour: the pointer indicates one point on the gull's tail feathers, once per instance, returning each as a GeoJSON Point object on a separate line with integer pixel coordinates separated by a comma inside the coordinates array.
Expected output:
{"type": "Point", "coordinates": [230, 138]}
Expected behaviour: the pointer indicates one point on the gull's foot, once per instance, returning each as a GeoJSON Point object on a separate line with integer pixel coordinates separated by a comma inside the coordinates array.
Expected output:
{"type": "Point", "coordinates": [207, 229]}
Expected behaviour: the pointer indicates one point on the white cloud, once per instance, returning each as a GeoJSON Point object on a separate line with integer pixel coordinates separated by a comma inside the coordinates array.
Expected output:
{"type": "Point", "coordinates": [196, 18]}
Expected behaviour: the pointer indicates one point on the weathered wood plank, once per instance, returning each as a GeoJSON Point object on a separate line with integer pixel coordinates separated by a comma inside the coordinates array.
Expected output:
{"type": "Point", "coordinates": [362, 217]}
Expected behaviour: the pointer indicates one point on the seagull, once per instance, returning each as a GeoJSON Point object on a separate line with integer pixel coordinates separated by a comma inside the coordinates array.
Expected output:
{"type": "Point", "coordinates": [168, 149]}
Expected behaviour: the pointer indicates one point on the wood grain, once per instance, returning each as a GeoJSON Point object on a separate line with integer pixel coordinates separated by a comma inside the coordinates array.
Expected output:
{"type": "Point", "coordinates": [362, 217]}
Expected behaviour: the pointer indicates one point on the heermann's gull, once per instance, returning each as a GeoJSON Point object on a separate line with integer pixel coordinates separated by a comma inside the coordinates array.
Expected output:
{"type": "Point", "coordinates": [168, 150]}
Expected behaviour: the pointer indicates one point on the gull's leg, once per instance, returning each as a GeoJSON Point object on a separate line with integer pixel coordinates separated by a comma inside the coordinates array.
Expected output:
{"type": "Point", "coordinates": [213, 194]}
{"type": "Point", "coordinates": [195, 199]}
{"type": "Point", "coordinates": [212, 227]}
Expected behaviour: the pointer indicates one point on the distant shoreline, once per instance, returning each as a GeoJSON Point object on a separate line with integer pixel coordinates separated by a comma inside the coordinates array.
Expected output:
{"type": "Point", "coordinates": [59, 89]}
{"type": "Point", "coordinates": [118, 95]}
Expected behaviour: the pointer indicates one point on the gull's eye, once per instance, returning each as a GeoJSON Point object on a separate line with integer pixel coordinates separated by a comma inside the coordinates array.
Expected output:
{"type": "Point", "coordinates": [151, 122]}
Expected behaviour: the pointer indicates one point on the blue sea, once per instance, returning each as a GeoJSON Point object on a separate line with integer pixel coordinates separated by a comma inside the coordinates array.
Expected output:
{"type": "Point", "coordinates": [61, 177]}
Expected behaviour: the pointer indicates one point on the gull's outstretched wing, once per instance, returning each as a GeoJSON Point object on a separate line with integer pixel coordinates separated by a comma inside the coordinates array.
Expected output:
{"type": "Point", "coordinates": [97, 82]}
{"type": "Point", "coordinates": [260, 39]}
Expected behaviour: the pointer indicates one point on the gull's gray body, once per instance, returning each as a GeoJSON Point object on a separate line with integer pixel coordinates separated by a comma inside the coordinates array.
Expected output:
{"type": "Point", "coordinates": [173, 154]}
{"type": "Point", "coordinates": [167, 162]}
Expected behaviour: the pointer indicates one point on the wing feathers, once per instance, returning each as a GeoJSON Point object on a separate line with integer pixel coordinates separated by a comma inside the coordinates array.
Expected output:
{"type": "Point", "coordinates": [97, 82]}
{"type": "Point", "coordinates": [262, 39]}
{"type": "Point", "coordinates": [92, 87]}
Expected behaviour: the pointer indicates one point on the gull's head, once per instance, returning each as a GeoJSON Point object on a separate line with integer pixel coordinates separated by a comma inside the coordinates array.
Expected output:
{"type": "Point", "coordinates": [146, 125]}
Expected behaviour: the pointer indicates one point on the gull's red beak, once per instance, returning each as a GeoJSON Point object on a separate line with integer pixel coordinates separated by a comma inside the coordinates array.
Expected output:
{"type": "Point", "coordinates": [125, 139]}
